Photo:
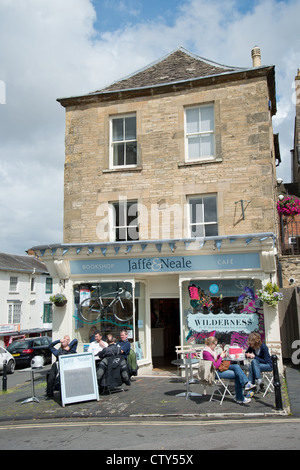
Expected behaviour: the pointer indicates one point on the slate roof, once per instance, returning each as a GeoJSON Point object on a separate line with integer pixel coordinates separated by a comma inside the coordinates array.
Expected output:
{"type": "Point", "coordinates": [176, 71]}
{"type": "Point", "coordinates": [179, 65]}
{"type": "Point", "coordinates": [21, 263]}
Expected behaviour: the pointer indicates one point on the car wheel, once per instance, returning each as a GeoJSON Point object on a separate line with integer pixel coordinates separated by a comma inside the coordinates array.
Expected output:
{"type": "Point", "coordinates": [10, 367]}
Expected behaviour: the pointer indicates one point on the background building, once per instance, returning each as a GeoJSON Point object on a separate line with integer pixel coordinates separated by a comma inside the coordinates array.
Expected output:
{"type": "Point", "coordinates": [25, 287]}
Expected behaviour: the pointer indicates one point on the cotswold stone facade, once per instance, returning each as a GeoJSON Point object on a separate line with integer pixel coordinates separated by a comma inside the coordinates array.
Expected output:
{"type": "Point", "coordinates": [170, 190]}
{"type": "Point", "coordinates": [243, 167]}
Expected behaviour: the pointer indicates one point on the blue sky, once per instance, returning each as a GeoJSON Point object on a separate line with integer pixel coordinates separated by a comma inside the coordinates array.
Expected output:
{"type": "Point", "coordinates": [57, 48]}
{"type": "Point", "coordinates": [112, 15]}
{"type": "Point", "coordinates": [116, 14]}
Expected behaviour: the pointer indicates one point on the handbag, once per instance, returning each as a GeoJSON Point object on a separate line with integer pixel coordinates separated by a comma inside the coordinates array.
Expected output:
{"type": "Point", "coordinates": [224, 366]}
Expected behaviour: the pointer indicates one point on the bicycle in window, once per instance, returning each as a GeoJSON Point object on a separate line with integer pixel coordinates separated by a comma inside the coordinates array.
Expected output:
{"type": "Point", "coordinates": [93, 309]}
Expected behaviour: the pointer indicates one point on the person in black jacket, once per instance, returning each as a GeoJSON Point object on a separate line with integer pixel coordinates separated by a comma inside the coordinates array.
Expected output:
{"type": "Point", "coordinates": [112, 372]}
{"type": "Point", "coordinates": [112, 349]}
{"type": "Point", "coordinates": [261, 360]}
{"type": "Point", "coordinates": [66, 347]}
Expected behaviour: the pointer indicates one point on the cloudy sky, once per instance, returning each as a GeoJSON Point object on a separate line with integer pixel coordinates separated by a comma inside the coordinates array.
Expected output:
{"type": "Point", "coordinates": [58, 48]}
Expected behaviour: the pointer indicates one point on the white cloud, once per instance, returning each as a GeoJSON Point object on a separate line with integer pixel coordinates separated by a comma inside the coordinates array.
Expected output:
{"type": "Point", "coordinates": [51, 50]}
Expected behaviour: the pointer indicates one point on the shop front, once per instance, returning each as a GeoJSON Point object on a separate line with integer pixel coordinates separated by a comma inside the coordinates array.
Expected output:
{"type": "Point", "coordinates": [167, 293]}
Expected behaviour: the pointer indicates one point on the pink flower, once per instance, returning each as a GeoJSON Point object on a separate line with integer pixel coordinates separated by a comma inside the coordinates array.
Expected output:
{"type": "Point", "coordinates": [289, 206]}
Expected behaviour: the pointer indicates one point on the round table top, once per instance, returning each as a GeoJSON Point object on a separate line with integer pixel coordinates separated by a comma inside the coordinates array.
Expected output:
{"type": "Point", "coordinates": [184, 360]}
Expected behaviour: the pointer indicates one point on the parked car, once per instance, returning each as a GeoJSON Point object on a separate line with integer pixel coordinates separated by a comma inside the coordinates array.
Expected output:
{"type": "Point", "coordinates": [23, 351]}
{"type": "Point", "coordinates": [6, 356]}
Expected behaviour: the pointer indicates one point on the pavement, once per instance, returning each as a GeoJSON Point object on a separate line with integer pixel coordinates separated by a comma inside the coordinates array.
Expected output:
{"type": "Point", "coordinates": [148, 396]}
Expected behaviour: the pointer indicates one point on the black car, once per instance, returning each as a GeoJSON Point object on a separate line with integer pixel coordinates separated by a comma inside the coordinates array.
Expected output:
{"type": "Point", "coordinates": [24, 350]}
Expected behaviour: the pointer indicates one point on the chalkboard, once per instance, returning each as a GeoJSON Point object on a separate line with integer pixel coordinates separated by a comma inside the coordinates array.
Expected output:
{"type": "Point", "coordinates": [78, 378]}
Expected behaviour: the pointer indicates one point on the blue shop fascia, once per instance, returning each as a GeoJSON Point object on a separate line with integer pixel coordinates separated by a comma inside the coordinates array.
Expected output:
{"type": "Point", "coordinates": [180, 291]}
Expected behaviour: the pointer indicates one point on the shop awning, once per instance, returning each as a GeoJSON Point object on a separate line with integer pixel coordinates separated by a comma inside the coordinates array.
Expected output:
{"type": "Point", "coordinates": [158, 244]}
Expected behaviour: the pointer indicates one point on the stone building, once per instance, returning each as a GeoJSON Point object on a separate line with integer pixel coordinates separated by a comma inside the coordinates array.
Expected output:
{"type": "Point", "coordinates": [170, 183]}
{"type": "Point", "coordinates": [25, 308]}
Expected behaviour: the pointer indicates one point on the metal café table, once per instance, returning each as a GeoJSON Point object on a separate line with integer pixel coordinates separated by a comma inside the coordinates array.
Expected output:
{"type": "Point", "coordinates": [33, 398]}
{"type": "Point", "coordinates": [186, 362]}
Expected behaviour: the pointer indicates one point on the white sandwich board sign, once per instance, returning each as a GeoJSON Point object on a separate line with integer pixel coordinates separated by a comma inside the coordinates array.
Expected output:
{"type": "Point", "coordinates": [78, 379]}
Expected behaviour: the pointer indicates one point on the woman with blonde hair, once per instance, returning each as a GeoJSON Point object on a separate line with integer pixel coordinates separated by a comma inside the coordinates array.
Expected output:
{"type": "Point", "coordinates": [234, 371]}
{"type": "Point", "coordinates": [261, 360]}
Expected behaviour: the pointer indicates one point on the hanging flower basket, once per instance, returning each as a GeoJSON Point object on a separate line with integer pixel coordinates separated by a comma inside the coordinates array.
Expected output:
{"type": "Point", "coordinates": [59, 300]}
{"type": "Point", "coordinates": [270, 294]}
{"type": "Point", "coordinates": [289, 206]}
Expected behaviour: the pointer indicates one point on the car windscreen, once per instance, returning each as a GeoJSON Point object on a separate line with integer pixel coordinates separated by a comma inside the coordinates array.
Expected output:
{"type": "Point", "coordinates": [19, 345]}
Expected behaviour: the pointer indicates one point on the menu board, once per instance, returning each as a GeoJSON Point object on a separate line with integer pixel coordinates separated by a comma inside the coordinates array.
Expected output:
{"type": "Point", "coordinates": [78, 378]}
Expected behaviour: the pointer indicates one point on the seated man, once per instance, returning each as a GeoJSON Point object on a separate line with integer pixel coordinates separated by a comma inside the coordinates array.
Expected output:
{"type": "Point", "coordinates": [124, 343]}
{"type": "Point", "coordinates": [65, 348]}
{"type": "Point", "coordinates": [96, 346]}
{"type": "Point", "coordinates": [128, 353]}
{"type": "Point", "coordinates": [111, 350]}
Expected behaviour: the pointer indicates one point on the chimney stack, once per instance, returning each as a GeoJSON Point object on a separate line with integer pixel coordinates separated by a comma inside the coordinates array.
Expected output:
{"type": "Point", "coordinates": [256, 56]}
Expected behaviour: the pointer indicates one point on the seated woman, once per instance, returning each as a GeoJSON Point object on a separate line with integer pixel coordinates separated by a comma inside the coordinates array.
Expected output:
{"type": "Point", "coordinates": [261, 360]}
{"type": "Point", "coordinates": [234, 371]}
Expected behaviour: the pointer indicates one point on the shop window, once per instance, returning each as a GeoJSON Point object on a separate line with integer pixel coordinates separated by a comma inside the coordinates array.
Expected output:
{"type": "Point", "coordinates": [227, 309]}
{"type": "Point", "coordinates": [97, 307]}
{"type": "Point", "coordinates": [123, 142]}
{"type": "Point", "coordinates": [203, 219]}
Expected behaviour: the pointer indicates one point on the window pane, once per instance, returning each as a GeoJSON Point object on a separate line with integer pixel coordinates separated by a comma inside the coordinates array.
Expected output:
{"type": "Point", "coordinates": [130, 128]}
{"type": "Point", "coordinates": [13, 284]}
{"type": "Point", "coordinates": [118, 154]}
{"type": "Point", "coordinates": [133, 233]}
{"type": "Point", "coordinates": [17, 313]}
{"type": "Point", "coordinates": [211, 230]}
{"type": "Point", "coordinates": [10, 310]}
{"type": "Point", "coordinates": [193, 147]}
{"type": "Point", "coordinates": [196, 210]}
{"type": "Point", "coordinates": [207, 119]}
{"type": "Point", "coordinates": [210, 209]}
{"type": "Point", "coordinates": [207, 145]}
{"type": "Point", "coordinates": [121, 234]}
{"type": "Point", "coordinates": [132, 212]}
{"type": "Point", "coordinates": [131, 153]}
{"type": "Point", "coordinates": [197, 231]}
{"type": "Point", "coordinates": [49, 285]}
{"type": "Point", "coordinates": [118, 129]}
{"type": "Point", "coordinates": [192, 120]}
{"type": "Point", "coordinates": [119, 215]}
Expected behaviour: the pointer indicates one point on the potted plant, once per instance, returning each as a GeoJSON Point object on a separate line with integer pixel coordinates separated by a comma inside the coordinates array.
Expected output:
{"type": "Point", "coordinates": [58, 299]}
{"type": "Point", "coordinates": [270, 294]}
{"type": "Point", "coordinates": [289, 206]}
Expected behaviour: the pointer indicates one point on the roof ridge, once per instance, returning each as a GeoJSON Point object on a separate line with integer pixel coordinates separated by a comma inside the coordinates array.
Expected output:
{"type": "Point", "coordinates": [208, 61]}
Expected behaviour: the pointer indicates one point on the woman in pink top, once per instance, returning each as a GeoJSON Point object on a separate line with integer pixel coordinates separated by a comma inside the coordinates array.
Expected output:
{"type": "Point", "coordinates": [234, 371]}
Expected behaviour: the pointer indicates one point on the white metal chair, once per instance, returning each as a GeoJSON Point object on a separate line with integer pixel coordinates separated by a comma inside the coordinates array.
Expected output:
{"type": "Point", "coordinates": [208, 376]}
{"type": "Point", "coordinates": [268, 381]}
{"type": "Point", "coordinates": [220, 388]}
{"type": "Point", "coordinates": [188, 351]}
